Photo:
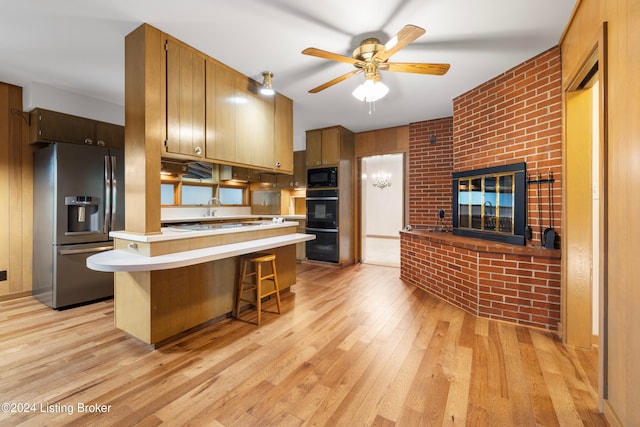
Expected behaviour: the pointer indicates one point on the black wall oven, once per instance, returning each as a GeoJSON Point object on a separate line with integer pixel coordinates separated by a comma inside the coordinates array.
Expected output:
{"type": "Point", "coordinates": [322, 221]}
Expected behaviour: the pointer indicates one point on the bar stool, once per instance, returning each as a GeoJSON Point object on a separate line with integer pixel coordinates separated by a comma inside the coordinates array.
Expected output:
{"type": "Point", "coordinates": [257, 260]}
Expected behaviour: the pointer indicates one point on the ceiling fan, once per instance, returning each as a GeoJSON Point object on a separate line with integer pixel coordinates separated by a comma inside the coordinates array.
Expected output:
{"type": "Point", "coordinates": [371, 57]}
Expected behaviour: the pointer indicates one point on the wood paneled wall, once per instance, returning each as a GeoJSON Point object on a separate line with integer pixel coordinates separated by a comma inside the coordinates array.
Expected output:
{"type": "Point", "coordinates": [393, 140]}
{"type": "Point", "coordinates": [16, 195]}
{"type": "Point", "coordinates": [622, 134]}
{"type": "Point", "coordinates": [382, 141]}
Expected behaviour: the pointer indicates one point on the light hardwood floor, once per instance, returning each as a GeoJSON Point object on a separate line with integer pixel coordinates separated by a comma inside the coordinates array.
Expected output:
{"type": "Point", "coordinates": [353, 347]}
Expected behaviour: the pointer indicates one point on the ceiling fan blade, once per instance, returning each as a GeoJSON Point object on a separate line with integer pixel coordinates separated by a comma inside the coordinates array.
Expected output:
{"type": "Point", "coordinates": [409, 67]}
{"type": "Point", "coordinates": [406, 35]}
{"type": "Point", "coordinates": [312, 51]}
{"type": "Point", "coordinates": [335, 81]}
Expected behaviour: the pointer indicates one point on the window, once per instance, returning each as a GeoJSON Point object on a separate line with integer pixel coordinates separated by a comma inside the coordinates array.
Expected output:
{"type": "Point", "coordinates": [233, 195]}
{"type": "Point", "coordinates": [196, 194]}
{"type": "Point", "coordinates": [168, 194]}
{"type": "Point", "coordinates": [490, 203]}
{"type": "Point", "coordinates": [178, 192]}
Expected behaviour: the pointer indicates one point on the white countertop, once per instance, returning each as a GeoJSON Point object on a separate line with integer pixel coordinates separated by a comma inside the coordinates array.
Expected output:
{"type": "Point", "coordinates": [171, 233]}
{"type": "Point", "coordinates": [229, 217]}
{"type": "Point", "coordinates": [120, 260]}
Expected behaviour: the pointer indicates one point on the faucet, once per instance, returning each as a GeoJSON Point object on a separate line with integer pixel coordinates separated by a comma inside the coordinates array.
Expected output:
{"type": "Point", "coordinates": [210, 210]}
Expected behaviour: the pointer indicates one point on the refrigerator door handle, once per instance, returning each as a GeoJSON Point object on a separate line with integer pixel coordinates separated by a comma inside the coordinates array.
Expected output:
{"type": "Point", "coordinates": [114, 189]}
{"type": "Point", "coordinates": [107, 195]}
{"type": "Point", "coordinates": [84, 251]}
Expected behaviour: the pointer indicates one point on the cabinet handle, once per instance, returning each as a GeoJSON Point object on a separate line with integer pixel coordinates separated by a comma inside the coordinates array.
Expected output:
{"type": "Point", "coordinates": [101, 143]}
{"type": "Point", "coordinates": [88, 141]}
{"type": "Point", "coordinates": [197, 150]}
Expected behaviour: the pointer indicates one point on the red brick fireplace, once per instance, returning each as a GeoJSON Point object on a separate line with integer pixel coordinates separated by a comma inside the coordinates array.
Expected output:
{"type": "Point", "coordinates": [515, 117]}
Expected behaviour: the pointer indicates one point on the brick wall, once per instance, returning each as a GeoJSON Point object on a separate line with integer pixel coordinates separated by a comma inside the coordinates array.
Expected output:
{"type": "Point", "coordinates": [430, 166]}
{"type": "Point", "coordinates": [517, 287]}
{"type": "Point", "coordinates": [514, 117]}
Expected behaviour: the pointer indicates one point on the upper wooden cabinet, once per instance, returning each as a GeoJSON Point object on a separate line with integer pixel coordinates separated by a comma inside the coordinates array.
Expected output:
{"type": "Point", "coordinates": [254, 125]}
{"type": "Point", "coordinates": [52, 126]}
{"type": "Point", "coordinates": [217, 113]}
{"type": "Point", "coordinates": [283, 156]}
{"type": "Point", "coordinates": [185, 100]}
{"type": "Point", "coordinates": [203, 109]}
{"type": "Point", "coordinates": [220, 112]}
{"type": "Point", "coordinates": [326, 147]}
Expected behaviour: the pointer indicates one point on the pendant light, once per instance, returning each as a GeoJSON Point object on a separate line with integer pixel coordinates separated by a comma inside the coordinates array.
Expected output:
{"type": "Point", "coordinates": [267, 87]}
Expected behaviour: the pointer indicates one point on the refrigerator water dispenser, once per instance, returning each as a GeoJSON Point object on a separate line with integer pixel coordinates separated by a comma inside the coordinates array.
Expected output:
{"type": "Point", "coordinates": [82, 214]}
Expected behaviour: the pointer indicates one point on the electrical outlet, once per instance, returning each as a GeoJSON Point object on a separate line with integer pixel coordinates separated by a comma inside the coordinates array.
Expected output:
{"type": "Point", "coordinates": [3, 275]}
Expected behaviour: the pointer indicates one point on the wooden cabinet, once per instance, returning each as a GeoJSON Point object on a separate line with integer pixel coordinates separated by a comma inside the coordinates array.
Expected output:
{"type": "Point", "coordinates": [228, 173]}
{"type": "Point", "coordinates": [326, 147]}
{"type": "Point", "coordinates": [185, 71]}
{"type": "Point", "coordinates": [254, 125]}
{"type": "Point", "coordinates": [220, 126]}
{"type": "Point", "coordinates": [299, 169]}
{"type": "Point", "coordinates": [281, 181]}
{"type": "Point", "coordinates": [212, 111]}
{"type": "Point", "coordinates": [109, 135]}
{"type": "Point", "coordinates": [333, 146]}
{"type": "Point", "coordinates": [52, 126]}
{"type": "Point", "coordinates": [283, 141]}
{"type": "Point", "coordinates": [284, 181]}
{"type": "Point", "coordinates": [243, 126]}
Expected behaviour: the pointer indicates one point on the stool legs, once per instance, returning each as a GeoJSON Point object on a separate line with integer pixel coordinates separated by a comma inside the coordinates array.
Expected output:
{"type": "Point", "coordinates": [257, 286]}
{"type": "Point", "coordinates": [259, 290]}
{"type": "Point", "coordinates": [275, 284]}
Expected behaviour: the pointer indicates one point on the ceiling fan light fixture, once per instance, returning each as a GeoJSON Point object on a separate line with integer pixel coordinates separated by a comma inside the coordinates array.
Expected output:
{"type": "Point", "coordinates": [267, 85]}
{"type": "Point", "coordinates": [370, 91]}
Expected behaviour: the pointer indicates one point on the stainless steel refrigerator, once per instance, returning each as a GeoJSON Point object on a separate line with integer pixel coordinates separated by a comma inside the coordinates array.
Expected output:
{"type": "Point", "coordinates": [78, 199]}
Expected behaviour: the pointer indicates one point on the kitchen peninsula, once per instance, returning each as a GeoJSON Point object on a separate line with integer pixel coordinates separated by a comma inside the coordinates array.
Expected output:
{"type": "Point", "coordinates": [168, 280]}
{"type": "Point", "coordinates": [168, 283]}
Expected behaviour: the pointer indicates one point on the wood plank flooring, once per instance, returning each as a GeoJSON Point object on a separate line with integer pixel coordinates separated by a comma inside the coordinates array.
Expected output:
{"type": "Point", "coordinates": [354, 347]}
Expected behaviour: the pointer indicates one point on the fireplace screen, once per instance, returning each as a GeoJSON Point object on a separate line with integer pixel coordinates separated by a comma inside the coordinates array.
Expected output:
{"type": "Point", "coordinates": [490, 203]}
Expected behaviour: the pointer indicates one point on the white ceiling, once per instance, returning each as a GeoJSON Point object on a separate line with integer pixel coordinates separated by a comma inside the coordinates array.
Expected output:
{"type": "Point", "coordinates": [78, 46]}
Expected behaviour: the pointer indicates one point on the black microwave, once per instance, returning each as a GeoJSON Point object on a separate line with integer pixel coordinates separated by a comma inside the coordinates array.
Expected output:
{"type": "Point", "coordinates": [322, 177]}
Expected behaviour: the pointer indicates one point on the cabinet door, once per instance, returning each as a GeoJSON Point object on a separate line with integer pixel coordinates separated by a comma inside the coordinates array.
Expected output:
{"type": "Point", "coordinates": [284, 181]}
{"type": "Point", "coordinates": [109, 135]}
{"type": "Point", "coordinates": [330, 146]}
{"type": "Point", "coordinates": [254, 125]}
{"type": "Point", "coordinates": [299, 169]}
{"type": "Point", "coordinates": [185, 100]}
{"type": "Point", "coordinates": [221, 113]}
{"type": "Point", "coordinates": [283, 156]}
{"type": "Point", "coordinates": [51, 126]}
{"type": "Point", "coordinates": [263, 151]}
{"type": "Point", "coordinates": [314, 148]}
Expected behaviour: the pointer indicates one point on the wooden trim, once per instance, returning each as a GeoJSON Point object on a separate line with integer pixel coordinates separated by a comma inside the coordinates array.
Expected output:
{"type": "Point", "coordinates": [144, 128]}
{"type": "Point", "coordinates": [611, 416]}
{"type": "Point", "coordinates": [16, 194]}
{"type": "Point", "coordinates": [15, 295]}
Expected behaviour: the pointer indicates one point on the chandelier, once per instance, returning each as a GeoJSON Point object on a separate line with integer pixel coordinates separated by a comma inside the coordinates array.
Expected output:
{"type": "Point", "coordinates": [381, 179]}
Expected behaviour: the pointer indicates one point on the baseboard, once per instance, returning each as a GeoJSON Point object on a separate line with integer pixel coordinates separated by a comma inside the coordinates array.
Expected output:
{"type": "Point", "coordinates": [610, 415]}
{"type": "Point", "coordinates": [15, 295]}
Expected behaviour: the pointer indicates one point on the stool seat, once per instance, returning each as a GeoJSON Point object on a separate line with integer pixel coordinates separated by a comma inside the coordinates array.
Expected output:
{"type": "Point", "coordinates": [253, 282]}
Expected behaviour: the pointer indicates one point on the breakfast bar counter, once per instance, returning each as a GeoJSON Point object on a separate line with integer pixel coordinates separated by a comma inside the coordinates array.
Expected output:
{"type": "Point", "coordinates": [168, 283]}
{"type": "Point", "coordinates": [119, 260]}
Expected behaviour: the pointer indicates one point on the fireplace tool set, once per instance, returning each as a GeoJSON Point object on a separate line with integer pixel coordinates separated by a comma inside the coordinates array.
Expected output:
{"type": "Point", "coordinates": [548, 235]}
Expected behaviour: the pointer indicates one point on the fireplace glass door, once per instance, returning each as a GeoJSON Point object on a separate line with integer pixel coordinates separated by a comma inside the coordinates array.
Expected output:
{"type": "Point", "coordinates": [491, 203]}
